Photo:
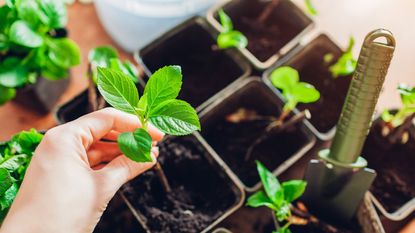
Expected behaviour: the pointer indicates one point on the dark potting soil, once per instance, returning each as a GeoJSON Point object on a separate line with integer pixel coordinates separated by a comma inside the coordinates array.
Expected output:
{"type": "Point", "coordinates": [312, 228]}
{"type": "Point", "coordinates": [265, 39]}
{"type": "Point", "coordinates": [250, 220]}
{"type": "Point", "coordinates": [394, 184]}
{"type": "Point", "coordinates": [200, 194]}
{"type": "Point", "coordinates": [205, 71]}
{"type": "Point", "coordinates": [118, 218]}
{"type": "Point", "coordinates": [326, 111]}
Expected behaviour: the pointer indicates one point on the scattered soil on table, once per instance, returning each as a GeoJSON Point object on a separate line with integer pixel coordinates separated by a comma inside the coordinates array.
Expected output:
{"type": "Point", "coordinates": [200, 194]}
{"type": "Point", "coordinates": [395, 181]}
{"type": "Point", "coordinates": [205, 71]}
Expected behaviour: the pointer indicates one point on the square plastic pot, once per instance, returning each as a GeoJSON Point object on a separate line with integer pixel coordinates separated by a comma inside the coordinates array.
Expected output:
{"type": "Point", "coordinates": [203, 191]}
{"type": "Point", "coordinates": [206, 70]}
{"type": "Point", "coordinates": [230, 141]}
{"type": "Point", "coordinates": [268, 42]}
{"type": "Point", "coordinates": [309, 61]}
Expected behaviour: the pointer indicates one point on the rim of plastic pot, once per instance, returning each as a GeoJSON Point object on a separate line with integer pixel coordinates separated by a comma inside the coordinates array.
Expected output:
{"type": "Point", "coordinates": [266, 78]}
{"type": "Point", "coordinates": [311, 139]}
{"type": "Point", "coordinates": [233, 54]}
{"type": "Point", "coordinates": [233, 181]}
{"type": "Point", "coordinates": [278, 55]}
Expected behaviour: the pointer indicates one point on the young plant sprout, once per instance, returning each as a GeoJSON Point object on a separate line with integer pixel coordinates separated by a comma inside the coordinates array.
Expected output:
{"type": "Point", "coordinates": [266, 13]}
{"type": "Point", "coordinates": [279, 197]}
{"type": "Point", "coordinates": [229, 38]}
{"type": "Point", "coordinates": [397, 125]}
{"type": "Point", "coordinates": [158, 106]}
{"type": "Point", "coordinates": [107, 57]}
{"type": "Point", "coordinates": [346, 64]}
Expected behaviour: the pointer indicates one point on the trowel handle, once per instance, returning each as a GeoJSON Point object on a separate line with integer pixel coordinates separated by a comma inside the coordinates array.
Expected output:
{"type": "Point", "coordinates": [355, 120]}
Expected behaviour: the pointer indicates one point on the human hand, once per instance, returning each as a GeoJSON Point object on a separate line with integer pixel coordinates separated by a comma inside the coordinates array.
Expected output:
{"type": "Point", "coordinates": [73, 175]}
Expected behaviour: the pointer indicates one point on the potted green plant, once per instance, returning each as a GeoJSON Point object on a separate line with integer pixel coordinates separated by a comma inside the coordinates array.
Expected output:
{"type": "Point", "coordinates": [271, 27]}
{"type": "Point", "coordinates": [250, 123]}
{"type": "Point", "coordinates": [389, 150]}
{"type": "Point", "coordinates": [179, 193]}
{"type": "Point", "coordinates": [193, 46]}
{"type": "Point", "coordinates": [323, 64]}
{"type": "Point", "coordinates": [35, 54]}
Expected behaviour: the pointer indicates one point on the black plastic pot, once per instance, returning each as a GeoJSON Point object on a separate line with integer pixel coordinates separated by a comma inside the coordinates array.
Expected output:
{"type": "Point", "coordinates": [42, 96]}
{"type": "Point", "coordinates": [270, 40]}
{"type": "Point", "coordinates": [308, 60]}
{"type": "Point", "coordinates": [231, 141]}
{"type": "Point", "coordinates": [206, 71]}
{"type": "Point", "coordinates": [203, 191]}
{"type": "Point", "coordinates": [393, 190]}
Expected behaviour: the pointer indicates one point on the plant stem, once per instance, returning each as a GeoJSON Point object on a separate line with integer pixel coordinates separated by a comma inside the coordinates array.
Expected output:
{"type": "Point", "coordinates": [397, 132]}
{"type": "Point", "coordinates": [265, 14]}
{"type": "Point", "coordinates": [162, 177]}
{"type": "Point", "coordinates": [92, 92]}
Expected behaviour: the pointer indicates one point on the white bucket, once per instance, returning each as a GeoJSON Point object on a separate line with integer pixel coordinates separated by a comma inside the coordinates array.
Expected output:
{"type": "Point", "coordinates": [133, 24]}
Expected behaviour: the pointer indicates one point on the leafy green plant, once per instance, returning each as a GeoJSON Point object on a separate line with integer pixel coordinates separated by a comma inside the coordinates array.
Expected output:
{"type": "Point", "coordinates": [15, 156]}
{"type": "Point", "coordinates": [287, 79]}
{"type": "Point", "coordinates": [158, 105]}
{"type": "Point", "coordinates": [30, 44]}
{"type": "Point", "coordinates": [229, 38]}
{"type": "Point", "coordinates": [397, 125]}
{"type": "Point", "coordinates": [277, 196]}
{"type": "Point", "coordinates": [346, 64]}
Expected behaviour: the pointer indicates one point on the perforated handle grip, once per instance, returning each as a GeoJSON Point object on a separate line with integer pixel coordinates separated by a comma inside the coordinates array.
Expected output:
{"type": "Point", "coordinates": [363, 94]}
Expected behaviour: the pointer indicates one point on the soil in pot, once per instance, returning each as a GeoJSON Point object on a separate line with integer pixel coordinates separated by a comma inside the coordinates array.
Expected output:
{"type": "Point", "coordinates": [267, 38]}
{"type": "Point", "coordinates": [206, 71]}
{"type": "Point", "coordinates": [313, 69]}
{"type": "Point", "coordinates": [118, 218]}
{"type": "Point", "coordinates": [232, 139]}
{"type": "Point", "coordinates": [201, 192]}
{"type": "Point", "coordinates": [394, 163]}
{"type": "Point", "coordinates": [250, 220]}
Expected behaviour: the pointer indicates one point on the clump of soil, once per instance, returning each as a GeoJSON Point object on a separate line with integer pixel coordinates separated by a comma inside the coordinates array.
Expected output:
{"type": "Point", "coordinates": [200, 192]}
{"type": "Point", "coordinates": [394, 163]}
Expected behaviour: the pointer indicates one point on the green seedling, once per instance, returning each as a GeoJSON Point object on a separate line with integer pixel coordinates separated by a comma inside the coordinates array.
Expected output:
{"type": "Point", "coordinates": [30, 44]}
{"type": "Point", "coordinates": [106, 57]}
{"type": "Point", "coordinates": [15, 156]}
{"type": "Point", "coordinates": [267, 12]}
{"type": "Point", "coordinates": [310, 7]}
{"type": "Point", "coordinates": [345, 65]}
{"type": "Point", "coordinates": [158, 105]}
{"type": "Point", "coordinates": [397, 125]}
{"type": "Point", "coordinates": [229, 38]}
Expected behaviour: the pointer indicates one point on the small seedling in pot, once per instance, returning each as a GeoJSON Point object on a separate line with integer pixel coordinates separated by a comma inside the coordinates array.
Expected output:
{"type": "Point", "coordinates": [15, 156]}
{"type": "Point", "coordinates": [229, 38]}
{"type": "Point", "coordinates": [158, 106]}
{"type": "Point", "coordinates": [279, 197]}
{"type": "Point", "coordinates": [396, 126]}
{"type": "Point", "coordinates": [345, 65]}
{"type": "Point", "coordinates": [106, 57]}
{"type": "Point", "coordinates": [266, 13]}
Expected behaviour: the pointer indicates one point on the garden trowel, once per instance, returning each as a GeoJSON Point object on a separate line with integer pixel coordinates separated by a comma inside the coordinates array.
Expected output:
{"type": "Point", "coordinates": [338, 180]}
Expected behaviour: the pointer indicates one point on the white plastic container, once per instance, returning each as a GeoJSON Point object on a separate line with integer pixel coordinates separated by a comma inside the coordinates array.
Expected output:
{"type": "Point", "coordinates": [134, 23]}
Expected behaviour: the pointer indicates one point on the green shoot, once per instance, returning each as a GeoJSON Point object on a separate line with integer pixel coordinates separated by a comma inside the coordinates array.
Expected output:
{"type": "Point", "coordinates": [310, 7]}
{"type": "Point", "coordinates": [229, 38]}
{"type": "Point", "coordinates": [277, 196]}
{"type": "Point", "coordinates": [346, 64]}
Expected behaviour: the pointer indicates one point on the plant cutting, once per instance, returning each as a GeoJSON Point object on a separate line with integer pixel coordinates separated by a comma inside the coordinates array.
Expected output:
{"type": "Point", "coordinates": [157, 105]}
{"type": "Point", "coordinates": [33, 44]}
{"type": "Point", "coordinates": [345, 65]}
{"type": "Point", "coordinates": [228, 37]}
{"type": "Point", "coordinates": [15, 156]}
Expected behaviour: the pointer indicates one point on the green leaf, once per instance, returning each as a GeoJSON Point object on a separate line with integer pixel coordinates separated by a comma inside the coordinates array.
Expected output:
{"type": "Point", "coordinates": [6, 180]}
{"type": "Point", "coordinates": [284, 77]}
{"type": "Point", "coordinates": [52, 71]}
{"type": "Point", "coordinates": [142, 105]}
{"type": "Point", "coordinates": [21, 34]}
{"type": "Point", "coordinates": [305, 93]}
{"type": "Point", "coordinates": [55, 12]}
{"type": "Point", "coordinates": [118, 90]}
{"type": "Point", "coordinates": [260, 199]}
{"type": "Point", "coordinates": [13, 75]}
{"type": "Point", "coordinates": [232, 39]}
{"type": "Point", "coordinates": [175, 117]}
{"type": "Point", "coordinates": [64, 52]}
{"type": "Point", "coordinates": [283, 212]}
{"type": "Point", "coordinates": [12, 163]}
{"type": "Point", "coordinates": [271, 184]}
{"type": "Point", "coordinates": [28, 10]}
{"type": "Point", "coordinates": [8, 197]}
{"type": "Point", "coordinates": [346, 64]}
{"type": "Point", "coordinates": [132, 70]}
{"type": "Point", "coordinates": [310, 7]}
{"type": "Point", "coordinates": [7, 94]}
{"type": "Point", "coordinates": [28, 140]}
{"type": "Point", "coordinates": [116, 64]}
{"type": "Point", "coordinates": [136, 146]}
{"type": "Point", "coordinates": [407, 94]}
{"type": "Point", "coordinates": [100, 56]}
{"type": "Point", "coordinates": [163, 85]}
{"type": "Point", "coordinates": [386, 116]}
{"type": "Point", "coordinates": [293, 189]}
{"type": "Point", "coordinates": [225, 21]}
